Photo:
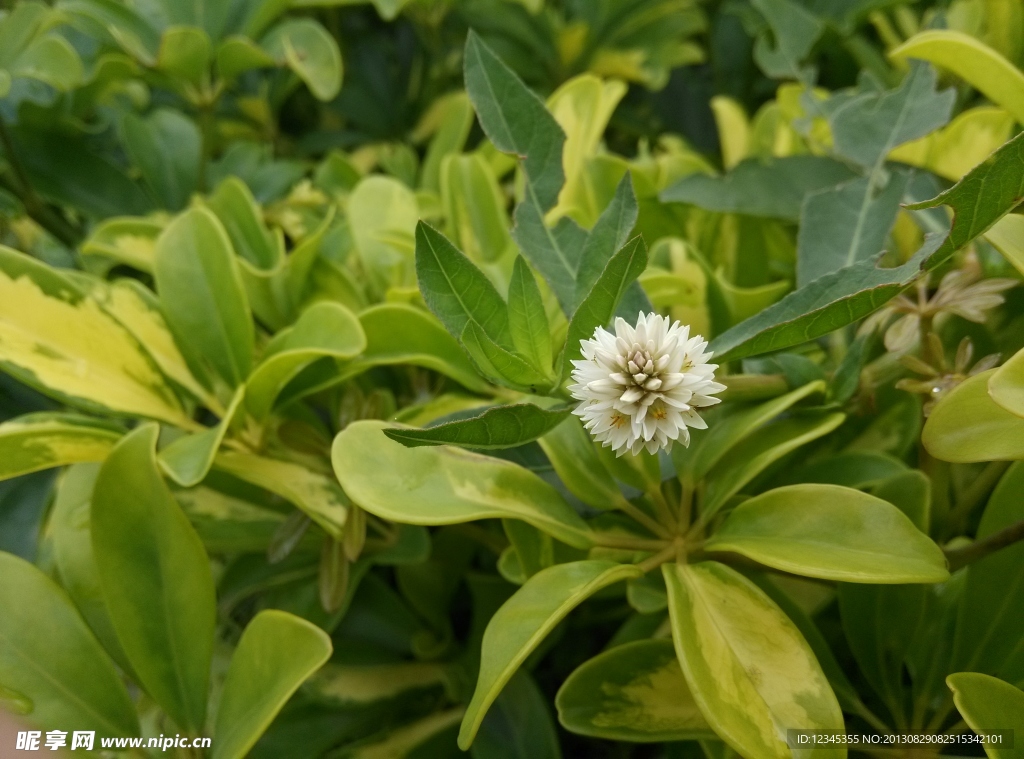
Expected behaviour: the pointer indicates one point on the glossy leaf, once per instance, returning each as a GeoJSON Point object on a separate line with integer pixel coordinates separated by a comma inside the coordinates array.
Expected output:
{"type": "Point", "coordinates": [188, 459]}
{"type": "Point", "coordinates": [747, 665]}
{"type": "Point", "coordinates": [141, 540]}
{"type": "Point", "coordinates": [968, 425]}
{"type": "Point", "coordinates": [833, 533]}
{"type": "Point", "coordinates": [52, 668]}
{"type": "Point", "coordinates": [518, 725]}
{"type": "Point", "coordinates": [1006, 386]}
{"type": "Point", "coordinates": [275, 655]}
{"type": "Point", "coordinates": [572, 453]}
{"type": "Point", "coordinates": [497, 427]}
{"type": "Point", "coordinates": [987, 705]}
{"type": "Point", "coordinates": [633, 692]}
{"type": "Point", "coordinates": [520, 625]}
{"type": "Point", "coordinates": [34, 442]}
{"type": "Point", "coordinates": [444, 485]}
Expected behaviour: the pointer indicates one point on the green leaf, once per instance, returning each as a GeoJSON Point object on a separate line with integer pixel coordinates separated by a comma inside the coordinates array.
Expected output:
{"type": "Point", "coordinates": [497, 427]}
{"type": "Point", "coordinates": [571, 451]}
{"type": "Point", "coordinates": [50, 59]}
{"type": "Point", "coordinates": [867, 126]}
{"type": "Point", "coordinates": [71, 529]}
{"type": "Point", "coordinates": [325, 329]}
{"type": "Point", "coordinates": [1007, 236]}
{"type": "Point", "coordinates": [987, 629]}
{"type": "Point", "coordinates": [516, 121]}
{"type": "Point", "coordinates": [474, 206]}
{"type": "Point", "coordinates": [749, 669]}
{"type": "Point", "coordinates": [57, 340]}
{"type": "Point", "coordinates": [310, 51]}
{"type": "Point", "coordinates": [128, 240]}
{"type": "Point", "coordinates": [400, 334]}
{"type": "Point", "coordinates": [383, 214]}
{"type": "Point", "coordinates": [522, 623]}
{"type": "Point", "coordinates": [43, 440]}
{"type": "Point", "coordinates": [426, 737]}
{"type": "Point", "coordinates": [227, 524]}
{"type": "Point", "coordinates": [318, 496]}
{"type": "Point", "coordinates": [454, 113]}
{"type": "Point", "coordinates": [185, 54]}
{"type": "Point", "coordinates": [238, 211]}
{"type": "Point", "coordinates": [979, 200]}
{"type": "Point", "coordinates": [500, 365]}
{"type": "Point", "coordinates": [633, 692]}
{"type": "Point", "coordinates": [598, 307]}
{"type": "Point", "coordinates": [708, 449]}
{"type": "Point", "coordinates": [518, 725]}
{"type": "Point", "coordinates": [771, 187]}
{"type": "Point", "coordinates": [188, 459]}
{"type": "Point", "coordinates": [846, 224]}
{"type": "Point", "coordinates": [1006, 386]}
{"type": "Point", "coordinates": [988, 704]}
{"type": "Point", "coordinates": [974, 62]}
{"type": "Point", "coordinates": [833, 533]}
{"type": "Point", "coordinates": [201, 292]}
{"type": "Point", "coordinates": [444, 485]}
{"type": "Point", "coordinates": [52, 669]}
{"type": "Point", "coordinates": [767, 445]}
{"type": "Point", "coordinates": [275, 655]}
{"type": "Point", "coordinates": [967, 425]}
{"type": "Point", "coordinates": [794, 29]}
{"type": "Point", "coordinates": [166, 148]}
{"type": "Point", "coordinates": [156, 579]}
{"type": "Point", "coordinates": [238, 54]}
{"type": "Point", "coordinates": [456, 290]}
{"type": "Point", "coordinates": [610, 234]}
{"type": "Point", "coordinates": [531, 333]}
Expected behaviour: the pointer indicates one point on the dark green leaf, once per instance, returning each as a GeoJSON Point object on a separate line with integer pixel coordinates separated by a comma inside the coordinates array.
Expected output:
{"type": "Point", "coordinates": [497, 427]}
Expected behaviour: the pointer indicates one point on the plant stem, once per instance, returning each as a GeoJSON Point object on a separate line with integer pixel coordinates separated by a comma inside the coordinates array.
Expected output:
{"type": "Point", "coordinates": [664, 511]}
{"type": "Point", "coordinates": [638, 514]}
{"type": "Point", "coordinates": [752, 387]}
{"type": "Point", "coordinates": [979, 549]}
{"type": "Point", "coordinates": [630, 544]}
{"type": "Point", "coordinates": [666, 554]}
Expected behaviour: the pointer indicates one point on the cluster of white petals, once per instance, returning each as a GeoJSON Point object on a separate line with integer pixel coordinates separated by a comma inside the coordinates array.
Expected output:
{"type": "Point", "coordinates": [640, 386]}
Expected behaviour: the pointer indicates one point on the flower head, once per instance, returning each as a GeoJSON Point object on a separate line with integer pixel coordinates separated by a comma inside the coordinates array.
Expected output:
{"type": "Point", "coordinates": [640, 386]}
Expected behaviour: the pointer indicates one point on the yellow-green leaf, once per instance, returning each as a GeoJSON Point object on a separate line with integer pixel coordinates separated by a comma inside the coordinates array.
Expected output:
{"type": "Point", "coordinates": [750, 671]}
{"type": "Point", "coordinates": [39, 441]}
{"type": "Point", "coordinates": [967, 425]}
{"type": "Point", "coordinates": [974, 62]}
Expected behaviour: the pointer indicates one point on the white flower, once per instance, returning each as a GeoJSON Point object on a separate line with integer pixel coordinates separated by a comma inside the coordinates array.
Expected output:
{"type": "Point", "coordinates": [641, 386]}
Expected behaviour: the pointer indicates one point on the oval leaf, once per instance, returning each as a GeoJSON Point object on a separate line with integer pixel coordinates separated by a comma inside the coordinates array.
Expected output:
{"type": "Point", "coordinates": [967, 425]}
{"type": "Point", "coordinates": [275, 655]}
{"type": "Point", "coordinates": [750, 671]}
{"type": "Point", "coordinates": [634, 692]}
{"type": "Point", "coordinates": [831, 532]}
{"type": "Point", "coordinates": [988, 704]}
{"type": "Point", "coordinates": [445, 485]}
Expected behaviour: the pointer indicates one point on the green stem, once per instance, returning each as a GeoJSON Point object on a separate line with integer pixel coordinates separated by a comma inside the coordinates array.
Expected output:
{"type": "Point", "coordinates": [664, 510]}
{"type": "Point", "coordinates": [629, 544]}
{"type": "Point", "coordinates": [666, 554]}
{"type": "Point", "coordinates": [979, 549]}
{"type": "Point", "coordinates": [638, 514]}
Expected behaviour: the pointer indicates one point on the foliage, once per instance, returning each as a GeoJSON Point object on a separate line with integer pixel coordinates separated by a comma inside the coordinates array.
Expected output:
{"type": "Point", "coordinates": [290, 296]}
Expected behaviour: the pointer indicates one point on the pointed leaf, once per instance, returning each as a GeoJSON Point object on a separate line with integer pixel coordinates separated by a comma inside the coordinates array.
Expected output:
{"type": "Point", "coordinates": [497, 427]}
{"type": "Point", "coordinates": [531, 333]}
